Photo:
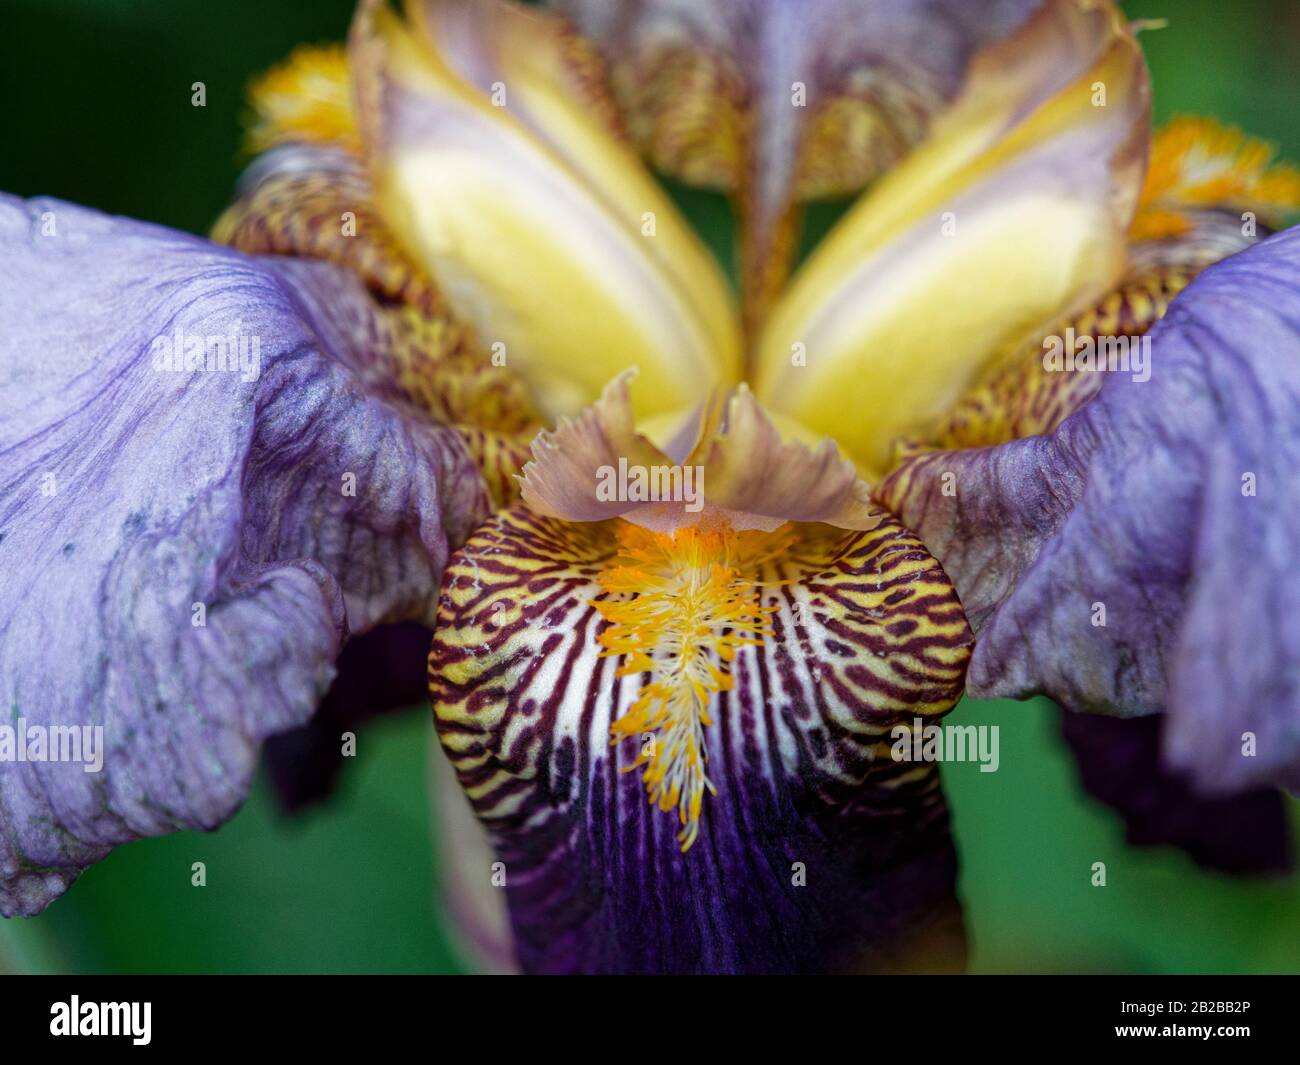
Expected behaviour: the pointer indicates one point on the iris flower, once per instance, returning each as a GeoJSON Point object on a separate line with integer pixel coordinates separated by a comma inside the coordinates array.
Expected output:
{"type": "Point", "coordinates": [692, 563]}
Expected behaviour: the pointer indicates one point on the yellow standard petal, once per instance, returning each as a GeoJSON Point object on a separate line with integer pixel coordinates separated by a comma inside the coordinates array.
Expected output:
{"type": "Point", "coordinates": [494, 159]}
{"type": "Point", "coordinates": [1012, 213]}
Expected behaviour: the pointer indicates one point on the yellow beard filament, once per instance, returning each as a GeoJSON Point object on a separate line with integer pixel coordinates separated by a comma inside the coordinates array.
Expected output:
{"type": "Point", "coordinates": [687, 604]}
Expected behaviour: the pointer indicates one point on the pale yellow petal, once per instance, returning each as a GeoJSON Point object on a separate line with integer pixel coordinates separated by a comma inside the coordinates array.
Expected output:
{"type": "Point", "coordinates": [1012, 212]}
{"type": "Point", "coordinates": [545, 232]}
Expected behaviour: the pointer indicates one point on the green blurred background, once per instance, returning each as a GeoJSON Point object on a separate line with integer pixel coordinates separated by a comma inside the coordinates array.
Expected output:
{"type": "Point", "coordinates": [96, 105]}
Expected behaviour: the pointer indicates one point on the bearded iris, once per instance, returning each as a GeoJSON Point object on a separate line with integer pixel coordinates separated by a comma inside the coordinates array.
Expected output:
{"type": "Point", "coordinates": [672, 722]}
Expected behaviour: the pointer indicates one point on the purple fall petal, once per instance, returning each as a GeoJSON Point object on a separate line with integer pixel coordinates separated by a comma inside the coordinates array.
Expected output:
{"type": "Point", "coordinates": [1119, 764]}
{"type": "Point", "coordinates": [819, 846]}
{"type": "Point", "coordinates": [1174, 505]}
{"type": "Point", "coordinates": [183, 557]}
{"type": "Point", "coordinates": [380, 672]}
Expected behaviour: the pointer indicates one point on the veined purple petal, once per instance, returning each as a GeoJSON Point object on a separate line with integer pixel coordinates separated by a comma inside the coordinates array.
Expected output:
{"type": "Point", "coordinates": [1143, 556]}
{"type": "Point", "coordinates": [185, 551]}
